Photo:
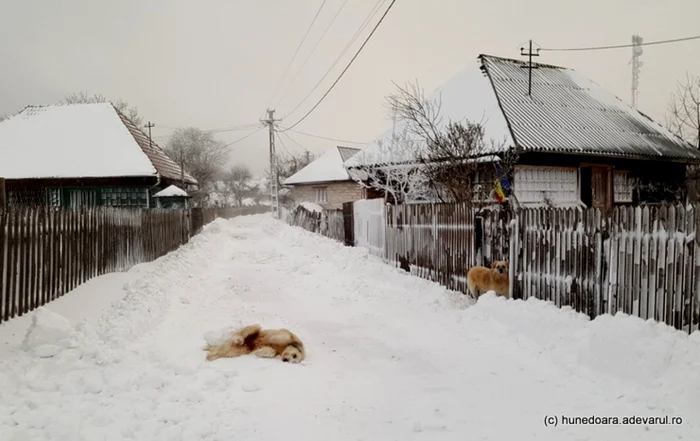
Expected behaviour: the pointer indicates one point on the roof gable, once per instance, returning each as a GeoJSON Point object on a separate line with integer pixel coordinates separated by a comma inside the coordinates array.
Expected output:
{"type": "Point", "coordinates": [468, 95]}
{"type": "Point", "coordinates": [569, 113]}
{"type": "Point", "coordinates": [77, 141]}
{"type": "Point", "coordinates": [327, 168]}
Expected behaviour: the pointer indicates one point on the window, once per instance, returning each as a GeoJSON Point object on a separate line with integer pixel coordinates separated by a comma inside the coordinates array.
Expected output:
{"type": "Point", "coordinates": [124, 197]}
{"type": "Point", "coordinates": [541, 184]}
{"type": "Point", "coordinates": [623, 186]}
{"type": "Point", "coordinates": [321, 194]}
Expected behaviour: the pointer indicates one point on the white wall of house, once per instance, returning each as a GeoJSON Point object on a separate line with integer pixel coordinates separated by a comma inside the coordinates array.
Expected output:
{"type": "Point", "coordinates": [540, 185]}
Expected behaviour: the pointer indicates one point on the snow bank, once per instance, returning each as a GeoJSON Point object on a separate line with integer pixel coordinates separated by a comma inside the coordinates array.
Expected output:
{"type": "Point", "coordinates": [48, 334]}
{"type": "Point", "coordinates": [389, 356]}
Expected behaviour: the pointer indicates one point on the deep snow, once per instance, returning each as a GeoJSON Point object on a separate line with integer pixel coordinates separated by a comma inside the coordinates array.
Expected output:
{"type": "Point", "coordinates": [390, 356]}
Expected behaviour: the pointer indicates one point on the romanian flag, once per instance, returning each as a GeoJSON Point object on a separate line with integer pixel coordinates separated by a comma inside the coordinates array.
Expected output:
{"type": "Point", "coordinates": [501, 184]}
{"type": "Point", "coordinates": [499, 194]}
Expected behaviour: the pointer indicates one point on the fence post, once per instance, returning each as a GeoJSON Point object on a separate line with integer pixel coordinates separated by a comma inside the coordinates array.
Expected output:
{"type": "Point", "coordinates": [348, 223]}
{"type": "Point", "coordinates": [3, 199]}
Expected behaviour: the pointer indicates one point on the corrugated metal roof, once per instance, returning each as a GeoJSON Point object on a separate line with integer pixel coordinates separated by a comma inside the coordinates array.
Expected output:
{"type": "Point", "coordinates": [569, 113]}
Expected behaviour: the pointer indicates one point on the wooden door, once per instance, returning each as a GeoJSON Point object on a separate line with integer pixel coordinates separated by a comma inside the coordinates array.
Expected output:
{"type": "Point", "coordinates": [600, 187]}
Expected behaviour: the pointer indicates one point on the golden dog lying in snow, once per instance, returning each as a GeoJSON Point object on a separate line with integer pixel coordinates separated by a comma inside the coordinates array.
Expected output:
{"type": "Point", "coordinates": [265, 343]}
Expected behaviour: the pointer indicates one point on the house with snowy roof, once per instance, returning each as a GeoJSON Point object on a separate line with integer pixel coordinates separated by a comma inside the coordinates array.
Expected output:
{"type": "Point", "coordinates": [325, 181]}
{"type": "Point", "coordinates": [576, 143]}
{"type": "Point", "coordinates": [82, 155]}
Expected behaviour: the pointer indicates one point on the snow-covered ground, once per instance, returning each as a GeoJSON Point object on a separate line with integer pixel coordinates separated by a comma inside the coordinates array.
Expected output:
{"type": "Point", "coordinates": [390, 356]}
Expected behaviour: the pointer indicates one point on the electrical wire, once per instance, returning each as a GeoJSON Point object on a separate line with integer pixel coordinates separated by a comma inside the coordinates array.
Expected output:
{"type": "Point", "coordinates": [620, 46]}
{"type": "Point", "coordinates": [327, 138]}
{"type": "Point", "coordinates": [279, 138]}
{"type": "Point", "coordinates": [311, 53]}
{"type": "Point", "coordinates": [296, 52]}
{"type": "Point", "coordinates": [293, 140]}
{"type": "Point", "coordinates": [362, 27]}
{"type": "Point", "coordinates": [346, 67]}
{"type": "Point", "coordinates": [246, 136]}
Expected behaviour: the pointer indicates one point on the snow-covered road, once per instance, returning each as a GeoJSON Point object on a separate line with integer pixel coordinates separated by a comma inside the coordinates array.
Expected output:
{"type": "Point", "coordinates": [390, 357]}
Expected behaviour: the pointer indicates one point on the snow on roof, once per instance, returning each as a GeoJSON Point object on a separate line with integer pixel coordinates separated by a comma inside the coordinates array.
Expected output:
{"type": "Point", "coordinates": [566, 112]}
{"type": "Point", "coordinates": [466, 96]}
{"type": "Point", "coordinates": [171, 191]}
{"type": "Point", "coordinates": [78, 141]}
{"type": "Point", "coordinates": [327, 168]}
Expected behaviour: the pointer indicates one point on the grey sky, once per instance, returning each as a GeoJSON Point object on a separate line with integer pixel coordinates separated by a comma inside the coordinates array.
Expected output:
{"type": "Point", "coordinates": [214, 63]}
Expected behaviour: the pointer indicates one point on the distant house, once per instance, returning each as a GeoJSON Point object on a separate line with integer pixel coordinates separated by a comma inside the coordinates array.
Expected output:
{"type": "Point", "coordinates": [577, 143]}
{"type": "Point", "coordinates": [82, 155]}
{"type": "Point", "coordinates": [325, 181]}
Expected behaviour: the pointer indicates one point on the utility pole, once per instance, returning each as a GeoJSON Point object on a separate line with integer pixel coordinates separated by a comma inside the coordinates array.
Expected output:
{"type": "Point", "coordinates": [274, 188]}
{"type": "Point", "coordinates": [636, 66]}
{"type": "Point", "coordinates": [149, 126]}
{"type": "Point", "coordinates": [529, 66]}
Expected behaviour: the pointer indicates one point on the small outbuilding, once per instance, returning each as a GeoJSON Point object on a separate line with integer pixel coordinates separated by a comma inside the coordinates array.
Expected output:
{"type": "Point", "coordinates": [172, 197]}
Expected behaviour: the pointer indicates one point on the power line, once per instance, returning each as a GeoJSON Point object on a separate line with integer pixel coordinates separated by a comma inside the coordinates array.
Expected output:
{"type": "Point", "coordinates": [279, 138]}
{"type": "Point", "coordinates": [620, 46]}
{"type": "Point", "coordinates": [294, 140]}
{"type": "Point", "coordinates": [327, 138]}
{"type": "Point", "coordinates": [312, 51]}
{"type": "Point", "coordinates": [346, 67]}
{"type": "Point", "coordinates": [362, 27]}
{"type": "Point", "coordinates": [246, 136]}
{"type": "Point", "coordinates": [219, 130]}
{"type": "Point", "coordinates": [284, 73]}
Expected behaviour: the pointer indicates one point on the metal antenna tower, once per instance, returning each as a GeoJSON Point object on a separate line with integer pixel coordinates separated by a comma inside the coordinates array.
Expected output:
{"type": "Point", "coordinates": [636, 66]}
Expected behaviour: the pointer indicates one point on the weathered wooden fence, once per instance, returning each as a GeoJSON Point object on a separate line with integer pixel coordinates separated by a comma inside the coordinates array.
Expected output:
{"type": "Point", "coordinates": [644, 261]}
{"type": "Point", "coordinates": [46, 253]}
{"type": "Point", "coordinates": [433, 241]}
{"type": "Point", "coordinates": [329, 223]}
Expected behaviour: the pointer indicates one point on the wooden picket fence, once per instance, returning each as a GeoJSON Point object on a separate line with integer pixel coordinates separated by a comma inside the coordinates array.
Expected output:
{"type": "Point", "coordinates": [46, 253]}
{"type": "Point", "coordinates": [329, 223]}
{"type": "Point", "coordinates": [433, 241]}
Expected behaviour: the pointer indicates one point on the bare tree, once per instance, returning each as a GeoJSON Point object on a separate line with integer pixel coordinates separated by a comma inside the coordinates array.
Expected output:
{"type": "Point", "coordinates": [683, 116]}
{"type": "Point", "coordinates": [387, 168]}
{"type": "Point", "coordinates": [237, 182]}
{"type": "Point", "coordinates": [287, 165]}
{"type": "Point", "coordinates": [683, 119]}
{"type": "Point", "coordinates": [202, 155]}
{"type": "Point", "coordinates": [83, 98]}
{"type": "Point", "coordinates": [448, 157]}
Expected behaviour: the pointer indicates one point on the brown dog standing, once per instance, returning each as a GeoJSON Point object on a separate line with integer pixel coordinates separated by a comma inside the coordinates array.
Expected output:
{"type": "Point", "coordinates": [481, 279]}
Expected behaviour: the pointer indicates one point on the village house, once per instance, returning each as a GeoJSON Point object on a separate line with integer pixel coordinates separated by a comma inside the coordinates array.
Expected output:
{"type": "Point", "coordinates": [325, 181]}
{"type": "Point", "coordinates": [82, 155]}
{"type": "Point", "coordinates": [576, 143]}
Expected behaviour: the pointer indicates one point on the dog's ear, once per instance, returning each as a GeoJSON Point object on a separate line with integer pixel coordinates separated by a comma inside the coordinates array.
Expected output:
{"type": "Point", "coordinates": [493, 265]}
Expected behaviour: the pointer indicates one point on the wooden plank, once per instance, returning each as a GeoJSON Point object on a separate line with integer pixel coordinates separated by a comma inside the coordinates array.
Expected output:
{"type": "Point", "coordinates": [645, 233]}
{"type": "Point", "coordinates": [23, 304]}
{"type": "Point", "coordinates": [4, 305]}
{"type": "Point", "coordinates": [45, 256]}
{"type": "Point", "coordinates": [670, 265]}
{"type": "Point", "coordinates": [34, 258]}
{"type": "Point", "coordinates": [679, 263]}
{"type": "Point", "coordinates": [12, 263]}
{"type": "Point", "coordinates": [696, 272]}
{"type": "Point", "coordinates": [661, 265]}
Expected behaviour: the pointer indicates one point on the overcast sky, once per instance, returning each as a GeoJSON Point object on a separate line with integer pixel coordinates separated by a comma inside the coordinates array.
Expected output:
{"type": "Point", "coordinates": [214, 63]}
